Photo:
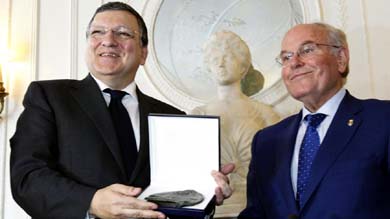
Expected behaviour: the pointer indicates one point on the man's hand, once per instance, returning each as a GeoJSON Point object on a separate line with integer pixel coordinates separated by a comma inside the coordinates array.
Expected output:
{"type": "Point", "coordinates": [118, 201]}
{"type": "Point", "coordinates": [223, 191]}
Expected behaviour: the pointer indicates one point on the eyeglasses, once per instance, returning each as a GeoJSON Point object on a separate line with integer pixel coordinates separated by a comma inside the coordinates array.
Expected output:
{"type": "Point", "coordinates": [305, 51]}
{"type": "Point", "coordinates": [120, 33]}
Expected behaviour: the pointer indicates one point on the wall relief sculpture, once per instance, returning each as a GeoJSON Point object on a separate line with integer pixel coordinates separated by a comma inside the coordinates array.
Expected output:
{"type": "Point", "coordinates": [178, 28]}
{"type": "Point", "coordinates": [227, 59]}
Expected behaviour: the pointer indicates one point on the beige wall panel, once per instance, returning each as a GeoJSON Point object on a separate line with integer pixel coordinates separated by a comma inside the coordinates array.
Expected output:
{"type": "Point", "coordinates": [54, 45]}
{"type": "Point", "coordinates": [85, 10]}
{"type": "Point", "coordinates": [368, 33]}
{"type": "Point", "coordinates": [378, 35]}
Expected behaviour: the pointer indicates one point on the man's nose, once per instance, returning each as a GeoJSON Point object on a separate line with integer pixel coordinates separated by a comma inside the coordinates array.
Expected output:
{"type": "Point", "coordinates": [295, 61]}
{"type": "Point", "coordinates": [109, 39]}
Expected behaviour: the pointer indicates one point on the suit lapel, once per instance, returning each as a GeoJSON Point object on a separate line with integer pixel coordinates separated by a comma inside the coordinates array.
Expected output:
{"type": "Point", "coordinates": [90, 99]}
{"type": "Point", "coordinates": [285, 153]}
{"type": "Point", "coordinates": [338, 135]}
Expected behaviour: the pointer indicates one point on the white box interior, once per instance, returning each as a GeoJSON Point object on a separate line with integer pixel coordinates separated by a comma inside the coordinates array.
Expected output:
{"type": "Point", "coordinates": [183, 152]}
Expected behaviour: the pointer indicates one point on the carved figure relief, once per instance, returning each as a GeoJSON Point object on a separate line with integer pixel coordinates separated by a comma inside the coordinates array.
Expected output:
{"type": "Point", "coordinates": [181, 26]}
{"type": "Point", "coordinates": [228, 60]}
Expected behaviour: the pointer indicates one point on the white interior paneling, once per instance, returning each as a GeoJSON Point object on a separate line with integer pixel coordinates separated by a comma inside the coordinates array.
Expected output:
{"type": "Point", "coordinates": [54, 39]}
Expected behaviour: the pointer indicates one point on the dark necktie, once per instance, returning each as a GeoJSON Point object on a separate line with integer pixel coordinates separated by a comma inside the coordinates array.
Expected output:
{"type": "Point", "coordinates": [307, 152]}
{"type": "Point", "coordinates": [124, 129]}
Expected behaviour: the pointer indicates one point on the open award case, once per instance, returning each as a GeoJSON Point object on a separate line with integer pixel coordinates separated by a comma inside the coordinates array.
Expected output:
{"type": "Point", "coordinates": [184, 149]}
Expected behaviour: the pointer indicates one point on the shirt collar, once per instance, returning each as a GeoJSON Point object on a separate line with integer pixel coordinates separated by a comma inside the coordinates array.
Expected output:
{"type": "Point", "coordinates": [330, 107]}
{"type": "Point", "coordinates": [130, 88]}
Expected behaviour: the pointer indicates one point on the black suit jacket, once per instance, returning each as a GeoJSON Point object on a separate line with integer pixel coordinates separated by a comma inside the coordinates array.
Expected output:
{"type": "Point", "coordinates": [65, 148]}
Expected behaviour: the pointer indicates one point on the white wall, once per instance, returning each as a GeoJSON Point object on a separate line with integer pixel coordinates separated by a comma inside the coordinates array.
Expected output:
{"type": "Point", "coordinates": [48, 36]}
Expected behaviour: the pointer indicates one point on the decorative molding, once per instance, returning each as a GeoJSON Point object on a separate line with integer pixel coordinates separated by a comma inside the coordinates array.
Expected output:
{"type": "Point", "coordinates": [311, 10]}
{"type": "Point", "coordinates": [74, 21]}
{"type": "Point", "coordinates": [154, 73]}
{"type": "Point", "coordinates": [342, 15]}
{"type": "Point", "coordinates": [34, 39]}
{"type": "Point", "coordinates": [336, 12]}
{"type": "Point", "coordinates": [368, 47]}
{"type": "Point", "coordinates": [171, 91]}
{"type": "Point", "coordinates": [273, 95]}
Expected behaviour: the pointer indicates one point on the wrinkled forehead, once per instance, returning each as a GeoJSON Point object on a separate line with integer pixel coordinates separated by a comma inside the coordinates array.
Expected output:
{"type": "Point", "coordinates": [301, 34]}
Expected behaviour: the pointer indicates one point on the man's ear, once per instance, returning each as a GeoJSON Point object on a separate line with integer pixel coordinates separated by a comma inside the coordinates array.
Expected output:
{"type": "Point", "coordinates": [343, 59]}
{"type": "Point", "coordinates": [144, 55]}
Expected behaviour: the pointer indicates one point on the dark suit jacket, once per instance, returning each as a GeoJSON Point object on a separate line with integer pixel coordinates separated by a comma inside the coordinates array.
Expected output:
{"type": "Point", "coordinates": [350, 174]}
{"type": "Point", "coordinates": [65, 148]}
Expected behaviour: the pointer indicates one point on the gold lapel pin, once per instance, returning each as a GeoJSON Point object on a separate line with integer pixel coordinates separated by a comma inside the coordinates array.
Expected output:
{"type": "Point", "coordinates": [350, 122]}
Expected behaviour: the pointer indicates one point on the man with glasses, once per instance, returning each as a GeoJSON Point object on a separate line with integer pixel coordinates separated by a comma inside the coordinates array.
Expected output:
{"type": "Point", "coordinates": [332, 159]}
{"type": "Point", "coordinates": [81, 147]}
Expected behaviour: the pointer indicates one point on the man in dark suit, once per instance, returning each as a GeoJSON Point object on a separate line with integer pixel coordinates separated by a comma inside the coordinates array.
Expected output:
{"type": "Point", "coordinates": [332, 159]}
{"type": "Point", "coordinates": [66, 157]}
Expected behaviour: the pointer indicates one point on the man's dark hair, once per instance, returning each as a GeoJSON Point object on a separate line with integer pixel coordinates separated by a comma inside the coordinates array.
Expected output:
{"type": "Point", "coordinates": [120, 6]}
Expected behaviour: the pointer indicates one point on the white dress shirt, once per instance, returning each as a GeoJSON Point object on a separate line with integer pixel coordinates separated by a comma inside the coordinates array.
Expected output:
{"type": "Point", "coordinates": [329, 109]}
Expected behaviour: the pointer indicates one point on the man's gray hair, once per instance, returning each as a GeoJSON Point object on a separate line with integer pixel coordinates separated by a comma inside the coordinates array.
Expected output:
{"type": "Point", "coordinates": [336, 37]}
